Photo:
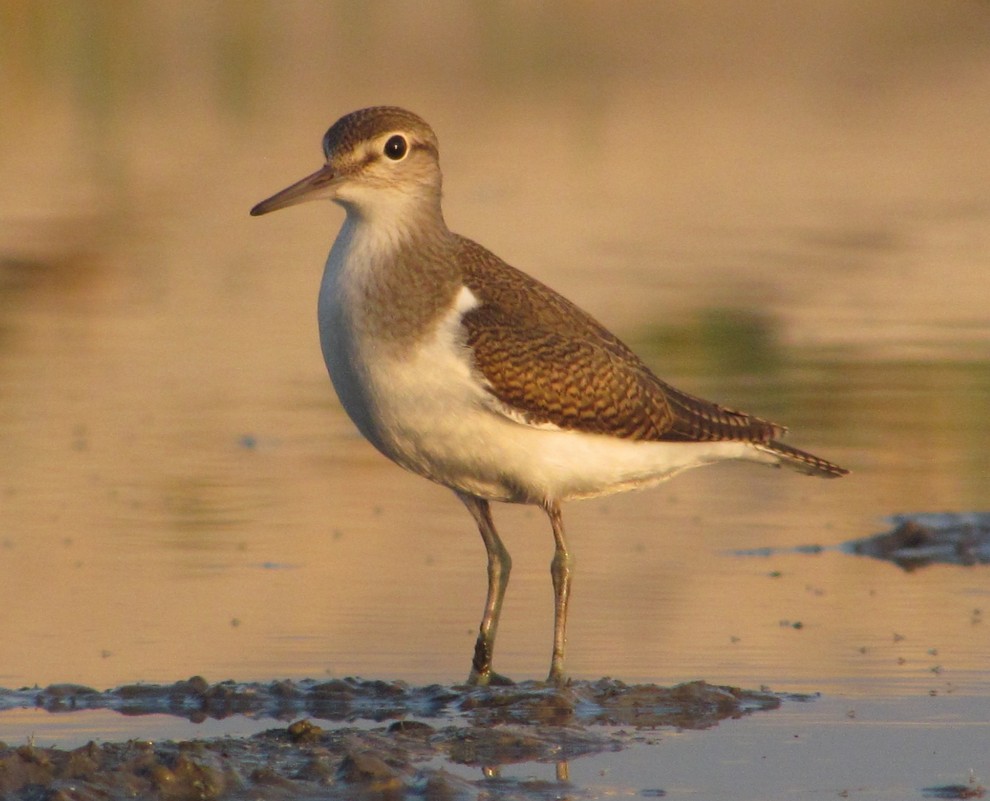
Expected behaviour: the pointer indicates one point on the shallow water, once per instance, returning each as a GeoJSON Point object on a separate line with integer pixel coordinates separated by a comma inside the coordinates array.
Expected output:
{"type": "Point", "coordinates": [793, 221]}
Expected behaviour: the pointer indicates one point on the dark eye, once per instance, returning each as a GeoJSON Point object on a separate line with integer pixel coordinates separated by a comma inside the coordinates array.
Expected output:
{"type": "Point", "coordinates": [396, 147]}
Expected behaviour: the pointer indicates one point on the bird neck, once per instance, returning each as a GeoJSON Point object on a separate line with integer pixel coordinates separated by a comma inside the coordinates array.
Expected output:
{"type": "Point", "coordinates": [395, 274]}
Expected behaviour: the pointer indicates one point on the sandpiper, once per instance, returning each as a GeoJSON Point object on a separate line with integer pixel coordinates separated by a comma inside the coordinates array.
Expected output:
{"type": "Point", "coordinates": [471, 373]}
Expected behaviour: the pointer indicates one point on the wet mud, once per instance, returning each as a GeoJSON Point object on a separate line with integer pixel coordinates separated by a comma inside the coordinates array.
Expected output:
{"type": "Point", "coordinates": [972, 790]}
{"type": "Point", "coordinates": [425, 733]}
{"type": "Point", "coordinates": [916, 541]}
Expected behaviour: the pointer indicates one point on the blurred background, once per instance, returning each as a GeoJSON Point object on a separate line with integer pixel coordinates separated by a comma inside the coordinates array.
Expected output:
{"type": "Point", "coordinates": [783, 207]}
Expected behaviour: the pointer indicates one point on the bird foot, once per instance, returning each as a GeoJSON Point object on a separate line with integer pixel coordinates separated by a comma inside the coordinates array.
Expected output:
{"type": "Point", "coordinates": [489, 678]}
{"type": "Point", "coordinates": [558, 678]}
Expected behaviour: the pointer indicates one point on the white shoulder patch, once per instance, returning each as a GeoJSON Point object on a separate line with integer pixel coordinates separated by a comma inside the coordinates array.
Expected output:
{"type": "Point", "coordinates": [465, 301]}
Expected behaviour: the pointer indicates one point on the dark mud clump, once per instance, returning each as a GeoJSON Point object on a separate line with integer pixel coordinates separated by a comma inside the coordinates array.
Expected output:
{"type": "Point", "coordinates": [971, 790]}
{"type": "Point", "coordinates": [481, 728]}
{"type": "Point", "coordinates": [919, 540]}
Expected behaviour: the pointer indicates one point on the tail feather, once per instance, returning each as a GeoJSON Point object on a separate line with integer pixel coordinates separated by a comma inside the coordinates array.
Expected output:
{"type": "Point", "coordinates": [802, 461]}
{"type": "Point", "coordinates": [698, 420]}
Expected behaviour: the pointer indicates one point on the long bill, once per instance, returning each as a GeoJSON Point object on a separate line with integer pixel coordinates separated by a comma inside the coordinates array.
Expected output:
{"type": "Point", "coordinates": [311, 187]}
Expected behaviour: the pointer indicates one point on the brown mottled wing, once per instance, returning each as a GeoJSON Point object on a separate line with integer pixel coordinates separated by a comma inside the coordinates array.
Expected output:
{"type": "Point", "coordinates": [549, 362]}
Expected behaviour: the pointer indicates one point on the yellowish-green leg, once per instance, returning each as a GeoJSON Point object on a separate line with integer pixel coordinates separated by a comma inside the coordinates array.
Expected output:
{"type": "Point", "coordinates": [499, 567]}
{"type": "Point", "coordinates": [560, 571]}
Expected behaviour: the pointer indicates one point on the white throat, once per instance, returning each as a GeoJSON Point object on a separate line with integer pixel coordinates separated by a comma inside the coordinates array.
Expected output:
{"type": "Point", "coordinates": [393, 213]}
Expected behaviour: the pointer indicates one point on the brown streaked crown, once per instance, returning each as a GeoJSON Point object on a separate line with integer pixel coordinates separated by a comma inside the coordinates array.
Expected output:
{"type": "Point", "coordinates": [367, 123]}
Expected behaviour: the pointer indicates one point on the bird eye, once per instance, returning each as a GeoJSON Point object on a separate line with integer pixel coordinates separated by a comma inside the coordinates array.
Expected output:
{"type": "Point", "coordinates": [396, 147]}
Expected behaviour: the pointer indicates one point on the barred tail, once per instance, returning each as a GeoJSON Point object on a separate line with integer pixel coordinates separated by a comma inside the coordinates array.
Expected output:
{"type": "Point", "coordinates": [802, 461]}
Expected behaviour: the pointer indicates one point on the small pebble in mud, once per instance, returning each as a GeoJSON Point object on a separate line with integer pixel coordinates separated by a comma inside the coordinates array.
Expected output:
{"type": "Point", "coordinates": [369, 769]}
{"type": "Point", "coordinates": [413, 727]}
{"type": "Point", "coordinates": [302, 731]}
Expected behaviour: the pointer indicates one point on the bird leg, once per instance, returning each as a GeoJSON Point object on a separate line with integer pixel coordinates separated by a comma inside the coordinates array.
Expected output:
{"type": "Point", "coordinates": [560, 571]}
{"type": "Point", "coordinates": [499, 567]}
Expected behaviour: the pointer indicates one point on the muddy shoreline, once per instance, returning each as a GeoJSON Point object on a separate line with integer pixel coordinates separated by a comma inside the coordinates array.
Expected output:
{"type": "Point", "coordinates": [424, 731]}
